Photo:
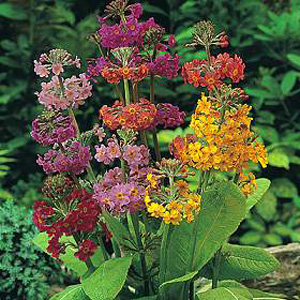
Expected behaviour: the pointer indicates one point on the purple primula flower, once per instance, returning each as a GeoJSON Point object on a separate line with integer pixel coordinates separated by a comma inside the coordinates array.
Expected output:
{"type": "Point", "coordinates": [112, 177]}
{"type": "Point", "coordinates": [132, 155]}
{"type": "Point", "coordinates": [121, 198]}
{"type": "Point", "coordinates": [165, 65]}
{"type": "Point", "coordinates": [168, 115]}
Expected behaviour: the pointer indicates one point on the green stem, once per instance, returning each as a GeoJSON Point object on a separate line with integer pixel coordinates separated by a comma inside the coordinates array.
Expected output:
{"type": "Point", "coordinates": [144, 137]}
{"type": "Point", "coordinates": [236, 177]}
{"type": "Point", "coordinates": [154, 133]}
{"type": "Point", "coordinates": [116, 248]}
{"type": "Point", "coordinates": [104, 252]}
{"type": "Point", "coordinates": [123, 170]}
{"type": "Point", "coordinates": [127, 93]}
{"type": "Point", "coordinates": [192, 290]}
{"type": "Point", "coordinates": [120, 94]}
{"type": "Point", "coordinates": [216, 268]}
{"type": "Point", "coordinates": [140, 246]}
{"type": "Point", "coordinates": [135, 92]}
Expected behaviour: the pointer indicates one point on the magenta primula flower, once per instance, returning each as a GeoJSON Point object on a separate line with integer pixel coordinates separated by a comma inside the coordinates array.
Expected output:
{"type": "Point", "coordinates": [168, 115]}
{"type": "Point", "coordinates": [74, 158]}
{"type": "Point", "coordinates": [165, 65]}
{"type": "Point", "coordinates": [52, 127]}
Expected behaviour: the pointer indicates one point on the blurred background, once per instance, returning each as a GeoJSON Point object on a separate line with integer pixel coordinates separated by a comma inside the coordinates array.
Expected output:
{"type": "Point", "coordinates": [266, 34]}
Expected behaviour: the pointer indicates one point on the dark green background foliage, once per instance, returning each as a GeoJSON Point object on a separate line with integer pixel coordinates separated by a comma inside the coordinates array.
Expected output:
{"type": "Point", "coordinates": [25, 272]}
{"type": "Point", "coordinates": [265, 33]}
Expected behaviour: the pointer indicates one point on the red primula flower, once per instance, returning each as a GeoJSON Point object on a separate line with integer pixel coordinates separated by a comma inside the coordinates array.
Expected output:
{"type": "Point", "coordinates": [136, 116]}
{"type": "Point", "coordinates": [86, 249]}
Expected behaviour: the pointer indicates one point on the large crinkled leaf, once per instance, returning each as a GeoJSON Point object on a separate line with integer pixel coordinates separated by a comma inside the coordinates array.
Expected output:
{"type": "Point", "coordinates": [263, 185]}
{"type": "Point", "coordinates": [183, 278]}
{"type": "Point", "coordinates": [107, 281]}
{"type": "Point", "coordinates": [72, 262]}
{"type": "Point", "coordinates": [243, 262]}
{"type": "Point", "coordinates": [72, 292]}
{"type": "Point", "coordinates": [260, 295]}
{"type": "Point", "coordinates": [226, 290]}
{"type": "Point", "coordinates": [190, 246]}
{"type": "Point", "coordinates": [223, 209]}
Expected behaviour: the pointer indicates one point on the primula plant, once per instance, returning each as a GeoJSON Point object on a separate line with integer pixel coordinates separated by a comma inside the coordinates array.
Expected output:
{"type": "Point", "coordinates": [123, 217]}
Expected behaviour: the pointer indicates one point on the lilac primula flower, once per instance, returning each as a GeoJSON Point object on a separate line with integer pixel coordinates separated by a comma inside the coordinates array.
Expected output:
{"type": "Point", "coordinates": [121, 198]}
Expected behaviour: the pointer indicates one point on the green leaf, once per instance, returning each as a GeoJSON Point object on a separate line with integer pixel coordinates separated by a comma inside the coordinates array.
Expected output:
{"type": "Point", "coordinates": [263, 185]}
{"type": "Point", "coordinates": [119, 231]}
{"type": "Point", "coordinates": [284, 188]}
{"type": "Point", "coordinates": [245, 262]}
{"type": "Point", "coordinates": [72, 262]}
{"type": "Point", "coordinates": [282, 230]}
{"type": "Point", "coordinates": [153, 9]}
{"type": "Point", "coordinates": [279, 159]}
{"type": "Point", "coordinates": [268, 133]}
{"type": "Point", "coordinates": [259, 93]}
{"type": "Point", "coordinates": [271, 84]}
{"type": "Point", "coordinates": [10, 11]}
{"type": "Point", "coordinates": [288, 82]}
{"type": "Point", "coordinates": [266, 208]}
{"type": "Point", "coordinates": [295, 59]}
{"type": "Point", "coordinates": [227, 290]}
{"type": "Point", "coordinates": [190, 246]}
{"type": "Point", "coordinates": [183, 278]}
{"type": "Point", "coordinates": [107, 281]}
{"type": "Point", "coordinates": [250, 237]}
{"type": "Point", "coordinates": [148, 298]}
{"type": "Point", "coordinates": [272, 239]}
{"type": "Point", "coordinates": [72, 292]}
{"type": "Point", "coordinates": [265, 117]}
{"type": "Point", "coordinates": [260, 295]}
{"type": "Point", "coordinates": [5, 194]}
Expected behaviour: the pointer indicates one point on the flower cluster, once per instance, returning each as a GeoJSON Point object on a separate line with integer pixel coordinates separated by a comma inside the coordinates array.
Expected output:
{"type": "Point", "coordinates": [135, 116]}
{"type": "Point", "coordinates": [81, 217]}
{"type": "Point", "coordinates": [225, 142]}
{"type": "Point", "coordinates": [73, 158]}
{"type": "Point", "coordinates": [133, 155]}
{"type": "Point", "coordinates": [120, 198]}
{"type": "Point", "coordinates": [129, 32]}
{"type": "Point", "coordinates": [201, 73]}
{"type": "Point", "coordinates": [86, 249]}
{"type": "Point", "coordinates": [119, 192]}
{"type": "Point", "coordinates": [168, 115]}
{"type": "Point", "coordinates": [54, 62]}
{"type": "Point", "coordinates": [52, 127]}
{"type": "Point", "coordinates": [57, 186]}
{"type": "Point", "coordinates": [61, 93]}
{"type": "Point", "coordinates": [175, 203]}
{"type": "Point", "coordinates": [127, 42]}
